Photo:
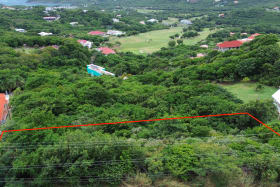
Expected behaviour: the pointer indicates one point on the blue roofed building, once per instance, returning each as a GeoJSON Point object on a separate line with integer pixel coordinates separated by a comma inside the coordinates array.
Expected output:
{"type": "Point", "coordinates": [95, 70]}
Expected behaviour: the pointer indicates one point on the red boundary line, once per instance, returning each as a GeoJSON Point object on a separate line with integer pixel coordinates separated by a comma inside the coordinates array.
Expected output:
{"type": "Point", "coordinates": [123, 122]}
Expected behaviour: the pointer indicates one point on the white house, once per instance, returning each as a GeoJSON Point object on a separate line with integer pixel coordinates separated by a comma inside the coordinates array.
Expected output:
{"type": "Point", "coordinates": [185, 22]}
{"type": "Point", "coordinates": [85, 43]}
{"type": "Point", "coordinates": [153, 20]}
{"type": "Point", "coordinates": [115, 20]}
{"type": "Point", "coordinates": [204, 46]}
{"type": "Point", "coordinates": [142, 22]}
{"type": "Point", "coordinates": [20, 30]}
{"type": "Point", "coordinates": [115, 33]}
{"type": "Point", "coordinates": [276, 98]}
{"type": "Point", "coordinates": [51, 18]}
{"type": "Point", "coordinates": [45, 33]}
{"type": "Point", "coordinates": [74, 23]}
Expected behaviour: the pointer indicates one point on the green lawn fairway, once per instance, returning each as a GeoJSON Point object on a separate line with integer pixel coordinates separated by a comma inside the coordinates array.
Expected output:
{"type": "Point", "coordinates": [152, 41]}
{"type": "Point", "coordinates": [246, 91]}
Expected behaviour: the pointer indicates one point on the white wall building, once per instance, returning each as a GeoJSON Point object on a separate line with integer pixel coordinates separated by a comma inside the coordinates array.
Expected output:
{"type": "Point", "coordinates": [20, 30]}
{"type": "Point", "coordinates": [74, 23]}
{"type": "Point", "coordinates": [153, 20]}
{"type": "Point", "coordinates": [85, 43]}
{"type": "Point", "coordinates": [276, 98]}
{"type": "Point", "coordinates": [185, 22]}
{"type": "Point", "coordinates": [115, 33]}
{"type": "Point", "coordinates": [45, 33]}
{"type": "Point", "coordinates": [115, 20]}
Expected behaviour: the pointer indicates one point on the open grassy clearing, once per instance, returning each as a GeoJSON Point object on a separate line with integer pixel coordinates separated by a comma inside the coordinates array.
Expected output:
{"type": "Point", "coordinates": [170, 21]}
{"type": "Point", "coordinates": [194, 18]}
{"type": "Point", "coordinates": [146, 11]}
{"type": "Point", "coordinates": [202, 35]}
{"type": "Point", "coordinates": [149, 42]}
{"type": "Point", "coordinates": [27, 50]}
{"type": "Point", "coordinates": [246, 91]}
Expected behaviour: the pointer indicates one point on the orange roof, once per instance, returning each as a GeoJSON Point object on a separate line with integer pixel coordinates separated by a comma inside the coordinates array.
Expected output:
{"type": "Point", "coordinates": [96, 33]}
{"type": "Point", "coordinates": [3, 111]}
{"type": "Point", "coordinates": [254, 35]}
{"type": "Point", "coordinates": [230, 44]}
{"type": "Point", "coordinates": [106, 50]}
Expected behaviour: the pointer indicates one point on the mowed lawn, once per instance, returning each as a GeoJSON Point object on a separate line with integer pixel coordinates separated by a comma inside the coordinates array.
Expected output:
{"type": "Point", "coordinates": [246, 91]}
{"type": "Point", "coordinates": [152, 41]}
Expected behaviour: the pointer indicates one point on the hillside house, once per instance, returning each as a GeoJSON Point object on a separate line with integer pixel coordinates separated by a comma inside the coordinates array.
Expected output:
{"type": "Point", "coordinates": [4, 110]}
{"type": "Point", "coordinates": [20, 30]}
{"type": "Point", "coordinates": [224, 46]}
{"type": "Point", "coordinates": [74, 23]}
{"type": "Point", "coordinates": [152, 20]}
{"type": "Point", "coordinates": [50, 18]}
{"type": "Point", "coordinates": [199, 55]}
{"type": "Point", "coordinates": [204, 46]}
{"type": "Point", "coordinates": [115, 20]}
{"type": "Point", "coordinates": [142, 22]}
{"type": "Point", "coordinates": [95, 70]}
{"type": "Point", "coordinates": [97, 33]}
{"type": "Point", "coordinates": [253, 36]}
{"type": "Point", "coordinates": [236, 43]}
{"type": "Point", "coordinates": [115, 33]}
{"type": "Point", "coordinates": [221, 15]}
{"type": "Point", "coordinates": [106, 50]}
{"type": "Point", "coordinates": [85, 43]}
{"type": "Point", "coordinates": [276, 99]}
{"type": "Point", "coordinates": [185, 22]}
{"type": "Point", "coordinates": [45, 33]}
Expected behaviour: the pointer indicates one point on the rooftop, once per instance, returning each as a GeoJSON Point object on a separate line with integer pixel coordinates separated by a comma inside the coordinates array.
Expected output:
{"type": "Point", "coordinates": [106, 50]}
{"type": "Point", "coordinates": [230, 44]}
{"type": "Point", "coordinates": [96, 33]}
{"type": "Point", "coordinates": [3, 101]}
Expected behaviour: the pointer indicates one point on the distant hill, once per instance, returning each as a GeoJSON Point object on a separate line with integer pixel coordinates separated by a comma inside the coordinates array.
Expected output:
{"type": "Point", "coordinates": [171, 4]}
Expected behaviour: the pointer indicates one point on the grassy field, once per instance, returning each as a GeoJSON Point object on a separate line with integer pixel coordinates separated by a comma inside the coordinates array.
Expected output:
{"type": "Point", "coordinates": [146, 11]}
{"type": "Point", "coordinates": [246, 91]}
{"type": "Point", "coordinates": [149, 42]}
{"type": "Point", "coordinates": [171, 21]}
{"type": "Point", "coordinates": [27, 50]}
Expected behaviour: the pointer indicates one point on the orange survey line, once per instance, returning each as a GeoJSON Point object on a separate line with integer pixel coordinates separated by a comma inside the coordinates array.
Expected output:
{"type": "Point", "coordinates": [149, 120]}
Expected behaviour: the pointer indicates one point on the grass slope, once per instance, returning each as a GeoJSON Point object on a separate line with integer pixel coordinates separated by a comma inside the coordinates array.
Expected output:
{"type": "Point", "coordinates": [152, 41]}
{"type": "Point", "coordinates": [246, 91]}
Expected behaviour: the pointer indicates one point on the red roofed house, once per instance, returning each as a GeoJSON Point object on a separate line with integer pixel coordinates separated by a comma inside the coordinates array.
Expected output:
{"type": "Point", "coordinates": [3, 108]}
{"type": "Point", "coordinates": [85, 43]}
{"type": "Point", "coordinates": [253, 36]}
{"type": "Point", "coordinates": [229, 45]}
{"type": "Point", "coordinates": [106, 50]}
{"type": "Point", "coordinates": [97, 33]}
